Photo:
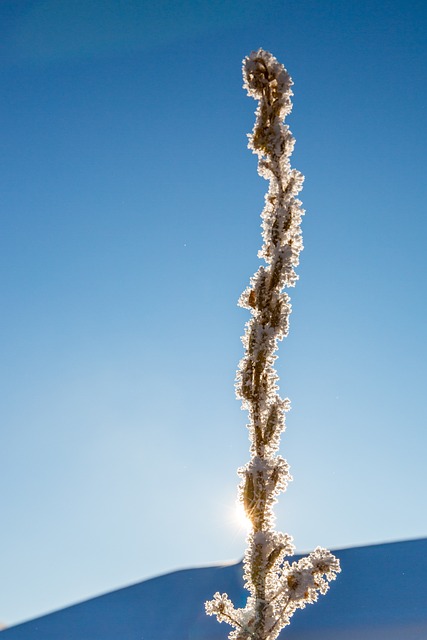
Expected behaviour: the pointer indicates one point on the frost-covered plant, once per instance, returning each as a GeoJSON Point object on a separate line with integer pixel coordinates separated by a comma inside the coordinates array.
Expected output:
{"type": "Point", "coordinates": [276, 587]}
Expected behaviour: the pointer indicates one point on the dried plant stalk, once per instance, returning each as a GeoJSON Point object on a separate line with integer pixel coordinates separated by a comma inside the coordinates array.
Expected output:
{"type": "Point", "coordinates": [276, 587]}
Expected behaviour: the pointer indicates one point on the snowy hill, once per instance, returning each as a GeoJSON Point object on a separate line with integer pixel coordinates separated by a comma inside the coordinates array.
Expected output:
{"type": "Point", "coordinates": [380, 594]}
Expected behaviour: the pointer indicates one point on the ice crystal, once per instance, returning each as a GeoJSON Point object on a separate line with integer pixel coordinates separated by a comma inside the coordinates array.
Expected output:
{"type": "Point", "coordinates": [276, 587]}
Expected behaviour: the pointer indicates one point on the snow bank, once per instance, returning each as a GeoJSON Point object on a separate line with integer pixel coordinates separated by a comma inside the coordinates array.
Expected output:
{"type": "Point", "coordinates": [380, 594]}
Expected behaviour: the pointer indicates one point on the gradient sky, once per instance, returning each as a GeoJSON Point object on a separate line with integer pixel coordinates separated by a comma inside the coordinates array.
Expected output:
{"type": "Point", "coordinates": [129, 227]}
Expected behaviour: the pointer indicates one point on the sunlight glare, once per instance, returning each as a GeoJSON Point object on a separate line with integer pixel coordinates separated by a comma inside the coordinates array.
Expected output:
{"type": "Point", "coordinates": [241, 518]}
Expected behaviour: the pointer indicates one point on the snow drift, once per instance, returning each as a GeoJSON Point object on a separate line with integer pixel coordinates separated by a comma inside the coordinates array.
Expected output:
{"type": "Point", "coordinates": [380, 594]}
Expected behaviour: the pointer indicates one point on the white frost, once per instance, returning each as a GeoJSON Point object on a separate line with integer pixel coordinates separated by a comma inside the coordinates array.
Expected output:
{"type": "Point", "coordinates": [276, 587]}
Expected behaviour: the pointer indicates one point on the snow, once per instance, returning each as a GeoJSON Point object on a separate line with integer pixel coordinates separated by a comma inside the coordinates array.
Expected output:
{"type": "Point", "coordinates": [381, 594]}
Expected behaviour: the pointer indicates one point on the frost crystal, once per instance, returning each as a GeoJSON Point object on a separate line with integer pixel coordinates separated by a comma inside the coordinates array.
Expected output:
{"type": "Point", "coordinates": [276, 587]}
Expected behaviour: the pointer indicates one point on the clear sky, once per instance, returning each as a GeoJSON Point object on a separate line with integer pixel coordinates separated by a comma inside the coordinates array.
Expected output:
{"type": "Point", "coordinates": [129, 227]}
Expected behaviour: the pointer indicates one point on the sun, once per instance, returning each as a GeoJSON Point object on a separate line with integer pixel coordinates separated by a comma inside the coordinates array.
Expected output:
{"type": "Point", "coordinates": [241, 518]}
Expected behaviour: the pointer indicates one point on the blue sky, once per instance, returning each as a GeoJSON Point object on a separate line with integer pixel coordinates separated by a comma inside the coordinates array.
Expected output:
{"type": "Point", "coordinates": [129, 227]}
